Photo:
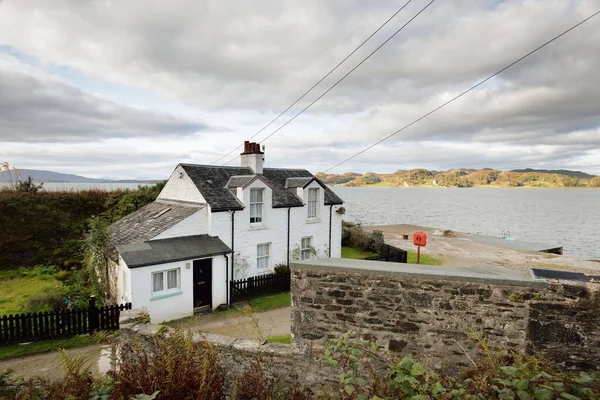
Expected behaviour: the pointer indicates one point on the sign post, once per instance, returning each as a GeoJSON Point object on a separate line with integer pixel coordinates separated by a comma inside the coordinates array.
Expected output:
{"type": "Point", "coordinates": [419, 239]}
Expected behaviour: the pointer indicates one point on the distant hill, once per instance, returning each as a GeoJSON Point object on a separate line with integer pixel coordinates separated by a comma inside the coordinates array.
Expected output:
{"type": "Point", "coordinates": [466, 177]}
{"type": "Point", "coordinates": [577, 174]}
{"type": "Point", "coordinates": [49, 176]}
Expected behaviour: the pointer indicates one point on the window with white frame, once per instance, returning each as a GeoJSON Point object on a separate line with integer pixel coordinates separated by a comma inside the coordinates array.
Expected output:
{"type": "Point", "coordinates": [306, 248]}
{"type": "Point", "coordinates": [256, 206]}
{"type": "Point", "coordinates": [165, 281]}
{"type": "Point", "coordinates": [313, 200]}
{"type": "Point", "coordinates": [263, 255]}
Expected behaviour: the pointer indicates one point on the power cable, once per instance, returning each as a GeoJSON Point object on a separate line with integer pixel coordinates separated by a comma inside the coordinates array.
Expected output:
{"type": "Point", "coordinates": [463, 93]}
{"type": "Point", "coordinates": [320, 80]}
{"type": "Point", "coordinates": [342, 78]}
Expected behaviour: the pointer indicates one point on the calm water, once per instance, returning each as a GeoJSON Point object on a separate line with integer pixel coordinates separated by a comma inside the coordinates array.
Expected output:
{"type": "Point", "coordinates": [567, 217]}
{"type": "Point", "coordinates": [61, 186]}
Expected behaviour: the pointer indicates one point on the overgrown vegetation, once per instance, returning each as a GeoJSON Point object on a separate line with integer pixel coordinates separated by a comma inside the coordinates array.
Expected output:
{"type": "Point", "coordinates": [354, 236]}
{"type": "Point", "coordinates": [29, 290]}
{"type": "Point", "coordinates": [168, 367]}
{"type": "Point", "coordinates": [174, 366]}
{"type": "Point", "coordinates": [63, 233]}
{"type": "Point", "coordinates": [371, 372]}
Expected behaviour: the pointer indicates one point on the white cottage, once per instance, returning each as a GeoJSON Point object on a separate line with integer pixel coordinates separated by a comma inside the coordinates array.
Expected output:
{"type": "Point", "coordinates": [214, 224]}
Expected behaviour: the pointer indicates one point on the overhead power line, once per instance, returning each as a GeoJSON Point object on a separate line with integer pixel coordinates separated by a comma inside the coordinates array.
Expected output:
{"type": "Point", "coordinates": [319, 81]}
{"type": "Point", "coordinates": [343, 77]}
{"type": "Point", "coordinates": [463, 93]}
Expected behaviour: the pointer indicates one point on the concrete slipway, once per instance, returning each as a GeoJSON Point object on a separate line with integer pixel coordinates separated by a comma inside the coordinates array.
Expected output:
{"type": "Point", "coordinates": [469, 250]}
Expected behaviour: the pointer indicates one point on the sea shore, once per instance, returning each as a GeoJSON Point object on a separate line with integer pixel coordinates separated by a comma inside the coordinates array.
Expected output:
{"type": "Point", "coordinates": [464, 250]}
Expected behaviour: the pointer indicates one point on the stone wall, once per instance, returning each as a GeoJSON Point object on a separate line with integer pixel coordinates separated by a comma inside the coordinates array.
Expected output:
{"type": "Point", "coordinates": [434, 317]}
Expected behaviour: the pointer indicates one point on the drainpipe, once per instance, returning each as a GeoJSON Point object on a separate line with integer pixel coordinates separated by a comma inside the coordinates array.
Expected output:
{"type": "Point", "coordinates": [330, 215]}
{"type": "Point", "coordinates": [226, 279]}
{"type": "Point", "coordinates": [288, 238]}
{"type": "Point", "coordinates": [232, 247]}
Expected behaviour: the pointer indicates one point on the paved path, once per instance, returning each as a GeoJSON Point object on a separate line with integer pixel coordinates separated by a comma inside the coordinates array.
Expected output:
{"type": "Point", "coordinates": [275, 322]}
{"type": "Point", "coordinates": [46, 364]}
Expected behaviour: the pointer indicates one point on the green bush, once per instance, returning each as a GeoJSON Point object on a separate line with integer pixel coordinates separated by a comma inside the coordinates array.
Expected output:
{"type": "Point", "coordinates": [353, 235]}
{"type": "Point", "coordinates": [490, 378]}
{"type": "Point", "coordinates": [282, 268]}
{"type": "Point", "coordinates": [41, 302]}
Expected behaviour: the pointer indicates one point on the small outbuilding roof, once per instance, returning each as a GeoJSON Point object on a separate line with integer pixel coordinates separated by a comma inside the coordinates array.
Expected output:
{"type": "Point", "coordinates": [148, 222]}
{"type": "Point", "coordinates": [163, 251]}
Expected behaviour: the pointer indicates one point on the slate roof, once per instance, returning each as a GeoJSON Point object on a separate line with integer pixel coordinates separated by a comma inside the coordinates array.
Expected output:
{"type": "Point", "coordinates": [239, 181]}
{"type": "Point", "coordinates": [212, 183]}
{"type": "Point", "coordinates": [297, 182]}
{"type": "Point", "coordinates": [148, 222]}
{"type": "Point", "coordinates": [171, 250]}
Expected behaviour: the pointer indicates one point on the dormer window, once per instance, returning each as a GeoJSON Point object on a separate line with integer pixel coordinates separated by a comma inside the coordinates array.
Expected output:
{"type": "Point", "coordinates": [256, 206]}
{"type": "Point", "coordinates": [313, 199]}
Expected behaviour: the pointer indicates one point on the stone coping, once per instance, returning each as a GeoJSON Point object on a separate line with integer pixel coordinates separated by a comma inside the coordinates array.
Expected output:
{"type": "Point", "coordinates": [479, 274]}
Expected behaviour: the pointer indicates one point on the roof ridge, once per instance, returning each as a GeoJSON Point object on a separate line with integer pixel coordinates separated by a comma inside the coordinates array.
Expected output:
{"type": "Point", "coordinates": [212, 166]}
{"type": "Point", "coordinates": [180, 203]}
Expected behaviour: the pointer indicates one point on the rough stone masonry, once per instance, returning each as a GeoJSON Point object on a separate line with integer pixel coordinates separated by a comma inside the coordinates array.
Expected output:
{"type": "Point", "coordinates": [435, 313]}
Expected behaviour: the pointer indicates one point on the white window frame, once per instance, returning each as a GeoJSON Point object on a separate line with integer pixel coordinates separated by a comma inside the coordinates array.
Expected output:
{"type": "Point", "coordinates": [257, 207]}
{"type": "Point", "coordinates": [313, 203]}
{"type": "Point", "coordinates": [165, 276]}
{"type": "Point", "coordinates": [306, 248]}
{"type": "Point", "coordinates": [260, 257]}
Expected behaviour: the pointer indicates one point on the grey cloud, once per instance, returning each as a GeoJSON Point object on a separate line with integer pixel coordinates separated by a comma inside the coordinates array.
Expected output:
{"type": "Point", "coordinates": [35, 108]}
{"type": "Point", "coordinates": [260, 56]}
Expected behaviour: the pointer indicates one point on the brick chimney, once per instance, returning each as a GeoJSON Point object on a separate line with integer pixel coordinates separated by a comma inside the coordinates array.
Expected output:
{"type": "Point", "coordinates": [252, 157]}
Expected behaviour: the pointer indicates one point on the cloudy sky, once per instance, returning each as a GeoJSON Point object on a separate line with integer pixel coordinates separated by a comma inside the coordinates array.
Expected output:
{"type": "Point", "coordinates": [130, 88]}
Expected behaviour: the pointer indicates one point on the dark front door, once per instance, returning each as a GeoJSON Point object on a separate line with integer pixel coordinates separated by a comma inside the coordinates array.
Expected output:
{"type": "Point", "coordinates": [203, 283]}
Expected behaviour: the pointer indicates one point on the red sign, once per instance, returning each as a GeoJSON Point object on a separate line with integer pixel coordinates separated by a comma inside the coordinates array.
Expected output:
{"type": "Point", "coordinates": [420, 239]}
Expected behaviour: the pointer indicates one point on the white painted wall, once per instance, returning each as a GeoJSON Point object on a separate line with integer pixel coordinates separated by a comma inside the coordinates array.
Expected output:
{"type": "Point", "coordinates": [219, 281]}
{"type": "Point", "coordinates": [274, 231]}
{"type": "Point", "coordinates": [123, 282]}
{"type": "Point", "coordinates": [195, 224]}
{"type": "Point", "coordinates": [176, 306]}
{"type": "Point", "coordinates": [254, 161]}
{"type": "Point", "coordinates": [180, 187]}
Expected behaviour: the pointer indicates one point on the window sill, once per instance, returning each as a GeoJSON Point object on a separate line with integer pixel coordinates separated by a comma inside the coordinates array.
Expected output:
{"type": "Point", "coordinates": [264, 271]}
{"type": "Point", "coordinates": [313, 221]}
{"type": "Point", "coordinates": [257, 227]}
{"type": "Point", "coordinates": [164, 296]}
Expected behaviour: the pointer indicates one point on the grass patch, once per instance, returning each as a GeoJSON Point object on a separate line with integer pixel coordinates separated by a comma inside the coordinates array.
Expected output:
{"type": "Point", "coordinates": [18, 286]}
{"type": "Point", "coordinates": [553, 266]}
{"type": "Point", "coordinates": [550, 255]}
{"type": "Point", "coordinates": [265, 303]}
{"type": "Point", "coordinates": [20, 350]}
{"type": "Point", "coordinates": [286, 339]}
{"type": "Point", "coordinates": [380, 184]}
{"type": "Point", "coordinates": [425, 259]}
{"type": "Point", "coordinates": [351, 252]}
